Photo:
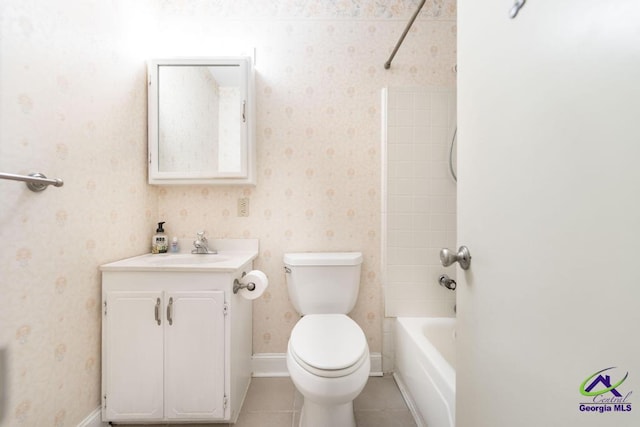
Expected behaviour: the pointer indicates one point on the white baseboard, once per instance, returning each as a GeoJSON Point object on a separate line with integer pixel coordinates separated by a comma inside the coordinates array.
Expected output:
{"type": "Point", "coordinates": [93, 420]}
{"type": "Point", "coordinates": [275, 365]}
{"type": "Point", "coordinates": [269, 365]}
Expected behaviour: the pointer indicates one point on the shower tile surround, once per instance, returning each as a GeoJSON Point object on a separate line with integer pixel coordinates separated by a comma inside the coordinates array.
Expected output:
{"type": "Point", "coordinates": [73, 106]}
{"type": "Point", "coordinates": [419, 209]}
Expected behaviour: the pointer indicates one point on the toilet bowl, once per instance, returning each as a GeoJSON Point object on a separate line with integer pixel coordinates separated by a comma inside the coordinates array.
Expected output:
{"type": "Point", "coordinates": [328, 361]}
{"type": "Point", "coordinates": [327, 354]}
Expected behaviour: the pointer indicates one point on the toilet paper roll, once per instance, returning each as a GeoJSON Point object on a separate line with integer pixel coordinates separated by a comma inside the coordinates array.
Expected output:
{"type": "Point", "coordinates": [259, 279]}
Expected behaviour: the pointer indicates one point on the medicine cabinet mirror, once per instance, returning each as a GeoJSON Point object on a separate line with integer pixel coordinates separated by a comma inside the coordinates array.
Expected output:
{"type": "Point", "coordinates": [201, 121]}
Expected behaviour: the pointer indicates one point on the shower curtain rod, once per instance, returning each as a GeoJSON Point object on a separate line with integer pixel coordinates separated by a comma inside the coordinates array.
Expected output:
{"type": "Point", "coordinates": [387, 64]}
{"type": "Point", "coordinates": [35, 181]}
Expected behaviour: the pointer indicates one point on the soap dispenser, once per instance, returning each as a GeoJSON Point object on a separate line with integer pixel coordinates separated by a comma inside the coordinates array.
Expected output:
{"type": "Point", "coordinates": [159, 242]}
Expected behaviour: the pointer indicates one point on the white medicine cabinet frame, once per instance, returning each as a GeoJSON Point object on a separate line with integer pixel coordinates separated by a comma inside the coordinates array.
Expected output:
{"type": "Point", "coordinates": [201, 118]}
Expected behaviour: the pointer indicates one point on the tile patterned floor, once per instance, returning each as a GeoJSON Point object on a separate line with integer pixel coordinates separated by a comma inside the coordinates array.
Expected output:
{"type": "Point", "coordinates": [274, 402]}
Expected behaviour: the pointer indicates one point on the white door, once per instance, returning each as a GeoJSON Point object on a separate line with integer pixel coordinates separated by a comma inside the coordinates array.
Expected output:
{"type": "Point", "coordinates": [549, 206]}
{"type": "Point", "coordinates": [194, 364]}
{"type": "Point", "coordinates": [133, 356]}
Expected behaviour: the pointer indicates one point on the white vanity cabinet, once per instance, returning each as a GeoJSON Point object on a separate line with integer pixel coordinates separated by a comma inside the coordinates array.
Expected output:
{"type": "Point", "coordinates": [164, 354]}
{"type": "Point", "coordinates": [176, 344]}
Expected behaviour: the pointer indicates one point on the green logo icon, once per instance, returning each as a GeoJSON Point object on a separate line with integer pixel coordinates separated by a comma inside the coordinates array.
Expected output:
{"type": "Point", "coordinates": [605, 380]}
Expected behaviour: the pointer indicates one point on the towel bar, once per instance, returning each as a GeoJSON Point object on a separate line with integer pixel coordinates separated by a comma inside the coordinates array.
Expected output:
{"type": "Point", "coordinates": [35, 181]}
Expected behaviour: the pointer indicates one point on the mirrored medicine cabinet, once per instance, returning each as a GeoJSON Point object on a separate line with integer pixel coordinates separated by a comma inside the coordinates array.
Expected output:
{"type": "Point", "coordinates": [201, 121]}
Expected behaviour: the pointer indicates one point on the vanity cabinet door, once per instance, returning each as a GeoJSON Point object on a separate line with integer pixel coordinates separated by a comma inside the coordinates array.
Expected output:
{"type": "Point", "coordinates": [133, 356]}
{"type": "Point", "coordinates": [194, 355]}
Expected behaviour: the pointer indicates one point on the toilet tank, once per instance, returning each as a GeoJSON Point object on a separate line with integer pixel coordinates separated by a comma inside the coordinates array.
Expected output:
{"type": "Point", "coordinates": [323, 282]}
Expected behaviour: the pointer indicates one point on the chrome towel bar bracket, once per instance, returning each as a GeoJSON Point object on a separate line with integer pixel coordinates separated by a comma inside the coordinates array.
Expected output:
{"type": "Point", "coordinates": [35, 181]}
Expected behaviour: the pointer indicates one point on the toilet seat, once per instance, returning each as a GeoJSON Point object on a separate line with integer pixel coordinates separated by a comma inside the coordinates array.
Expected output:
{"type": "Point", "coordinates": [328, 345]}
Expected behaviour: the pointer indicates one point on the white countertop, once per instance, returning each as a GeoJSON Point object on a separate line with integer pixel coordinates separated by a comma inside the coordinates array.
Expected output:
{"type": "Point", "coordinates": [231, 255]}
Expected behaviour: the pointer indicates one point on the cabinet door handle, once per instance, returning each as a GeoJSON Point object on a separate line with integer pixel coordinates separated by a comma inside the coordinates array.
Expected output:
{"type": "Point", "coordinates": [158, 310]}
{"type": "Point", "coordinates": [170, 311]}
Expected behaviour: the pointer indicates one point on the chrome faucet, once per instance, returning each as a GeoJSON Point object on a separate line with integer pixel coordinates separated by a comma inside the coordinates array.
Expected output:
{"type": "Point", "coordinates": [201, 245]}
{"type": "Point", "coordinates": [447, 282]}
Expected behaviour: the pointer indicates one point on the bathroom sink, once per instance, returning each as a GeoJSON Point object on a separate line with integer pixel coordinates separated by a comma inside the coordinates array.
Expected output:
{"type": "Point", "coordinates": [186, 259]}
{"type": "Point", "coordinates": [232, 254]}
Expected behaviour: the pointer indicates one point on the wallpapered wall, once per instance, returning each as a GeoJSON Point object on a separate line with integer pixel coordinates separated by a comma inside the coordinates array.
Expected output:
{"type": "Point", "coordinates": [73, 105]}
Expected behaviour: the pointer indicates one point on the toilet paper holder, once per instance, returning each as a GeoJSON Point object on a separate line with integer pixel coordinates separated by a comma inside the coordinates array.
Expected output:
{"type": "Point", "coordinates": [237, 285]}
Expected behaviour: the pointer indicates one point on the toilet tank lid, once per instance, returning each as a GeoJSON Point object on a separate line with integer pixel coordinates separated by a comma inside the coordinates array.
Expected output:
{"type": "Point", "coordinates": [323, 258]}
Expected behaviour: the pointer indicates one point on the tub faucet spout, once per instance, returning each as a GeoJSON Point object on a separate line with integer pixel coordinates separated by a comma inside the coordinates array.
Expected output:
{"type": "Point", "coordinates": [447, 282]}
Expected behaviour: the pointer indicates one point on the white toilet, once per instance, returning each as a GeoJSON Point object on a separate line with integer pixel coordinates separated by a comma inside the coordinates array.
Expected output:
{"type": "Point", "coordinates": [327, 355]}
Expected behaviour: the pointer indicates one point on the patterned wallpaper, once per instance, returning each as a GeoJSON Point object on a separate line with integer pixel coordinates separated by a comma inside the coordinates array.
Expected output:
{"type": "Point", "coordinates": [73, 105]}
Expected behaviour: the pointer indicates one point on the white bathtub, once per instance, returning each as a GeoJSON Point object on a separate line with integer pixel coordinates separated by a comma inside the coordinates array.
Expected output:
{"type": "Point", "coordinates": [425, 368]}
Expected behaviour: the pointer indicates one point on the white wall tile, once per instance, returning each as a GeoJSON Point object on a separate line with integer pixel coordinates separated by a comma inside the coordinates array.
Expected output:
{"type": "Point", "coordinates": [426, 221]}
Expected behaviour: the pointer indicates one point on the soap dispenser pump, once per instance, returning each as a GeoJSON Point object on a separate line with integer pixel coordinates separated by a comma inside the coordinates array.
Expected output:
{"type": "Point", "coordinates": [159, 242]}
